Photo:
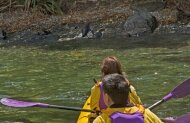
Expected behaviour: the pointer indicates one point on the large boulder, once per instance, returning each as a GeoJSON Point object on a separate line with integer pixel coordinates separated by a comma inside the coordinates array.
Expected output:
{"type": "Point", "coordinates": [140, 23]}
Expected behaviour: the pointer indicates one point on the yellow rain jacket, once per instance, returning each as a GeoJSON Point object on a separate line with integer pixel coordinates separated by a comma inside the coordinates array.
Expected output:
{"type": "Point", "coordinates": [149, 117]}
{"type": "Point", "coordinates": [96, 92]}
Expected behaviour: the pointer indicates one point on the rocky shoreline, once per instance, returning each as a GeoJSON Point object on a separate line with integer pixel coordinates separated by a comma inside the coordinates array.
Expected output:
{"type": "Point", "coordinates": [122, 20]}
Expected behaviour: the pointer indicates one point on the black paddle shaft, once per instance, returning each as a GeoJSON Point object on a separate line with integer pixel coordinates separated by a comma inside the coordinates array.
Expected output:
{"type": "Point", "coordinates": [70, 108]}
{"type": "Point", "coordinates": [156, 104]}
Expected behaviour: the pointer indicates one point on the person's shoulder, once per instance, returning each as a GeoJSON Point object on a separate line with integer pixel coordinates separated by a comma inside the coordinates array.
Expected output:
{"type": "Point", "coordinates": [148, 113]}
{"type": "Point", "coordinates": [95, 90]}
{"type": "Point", "coordinates": [97, 84]}
{"type": "Point", "coordinates": [132, 87]}
{"type": "Point", "coordinates": [150, 117]}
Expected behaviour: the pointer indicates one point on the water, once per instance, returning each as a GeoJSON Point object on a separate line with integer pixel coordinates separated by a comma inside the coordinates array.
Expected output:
{"type": "Point", "coordinates": [62, 74]}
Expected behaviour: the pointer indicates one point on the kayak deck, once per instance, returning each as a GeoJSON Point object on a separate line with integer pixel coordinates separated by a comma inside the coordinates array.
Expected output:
{"type": "Point", "coordinates": [83, 117]}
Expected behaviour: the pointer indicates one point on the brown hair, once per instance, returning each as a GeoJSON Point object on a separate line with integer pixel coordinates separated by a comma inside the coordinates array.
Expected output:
{"type": "Point", "coordinates": [116, 87]}
{"type": "Point", "coordinates": [111, 65]}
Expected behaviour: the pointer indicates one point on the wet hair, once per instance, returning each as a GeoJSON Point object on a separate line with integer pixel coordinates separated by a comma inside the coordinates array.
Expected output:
{"type": "Point", "coordinates": [116, 86]}
{"type": "Point", "coordinates": [111, 65]}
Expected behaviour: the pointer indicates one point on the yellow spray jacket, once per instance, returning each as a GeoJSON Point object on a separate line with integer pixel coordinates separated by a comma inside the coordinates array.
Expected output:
{"type": "Point", "coordinates": [96, 94]}
{"type": "Point", "coordinates": [149, 117]}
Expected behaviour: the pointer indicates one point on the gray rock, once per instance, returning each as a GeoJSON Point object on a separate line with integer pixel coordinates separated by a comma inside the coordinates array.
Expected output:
{"type": "Point", "coordinates": [99, 33]}
{"type": "Point", "coordinates": [86, 29]}
{"type": "Point", "coordinates": [3, 34]}
{"type": "Point", "coordinates": [140, 23]}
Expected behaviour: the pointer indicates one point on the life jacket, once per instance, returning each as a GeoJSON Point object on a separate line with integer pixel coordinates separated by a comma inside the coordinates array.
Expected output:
{"type": "Point", "coordinates": [102, 104]}
{"type": "Point", "coordinates": [118, 117]}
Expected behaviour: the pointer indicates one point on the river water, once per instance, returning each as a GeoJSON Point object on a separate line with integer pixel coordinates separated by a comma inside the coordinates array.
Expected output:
{"type": "Point", "coordinates": [63, 73]}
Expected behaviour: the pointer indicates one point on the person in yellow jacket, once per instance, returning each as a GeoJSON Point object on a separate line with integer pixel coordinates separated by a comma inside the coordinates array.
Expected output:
{"type": "Point", "coordinates": [109, 65]}
{"type": "Point", "coordinates": [116, 94]}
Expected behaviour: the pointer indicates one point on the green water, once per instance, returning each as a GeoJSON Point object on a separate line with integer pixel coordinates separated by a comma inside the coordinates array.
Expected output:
{"type": "Point", "coordinates": [62, 74]}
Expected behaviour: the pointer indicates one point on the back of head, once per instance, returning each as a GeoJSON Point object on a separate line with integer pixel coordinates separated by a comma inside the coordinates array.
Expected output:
{"type": "Point", "coordinates": [111, 65]}
{"type": "Point", "coordinates": [116, 86]}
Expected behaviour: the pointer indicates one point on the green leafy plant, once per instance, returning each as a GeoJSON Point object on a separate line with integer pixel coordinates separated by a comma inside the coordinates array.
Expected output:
{"type": "Point", "coordinates": [46, 6]}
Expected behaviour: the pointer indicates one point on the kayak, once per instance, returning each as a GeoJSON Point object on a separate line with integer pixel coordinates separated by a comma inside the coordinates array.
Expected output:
{"type": "Point", "coordinates": [83, 117]}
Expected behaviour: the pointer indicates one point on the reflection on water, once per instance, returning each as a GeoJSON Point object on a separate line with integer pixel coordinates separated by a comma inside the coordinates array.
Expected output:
{"type": "Point", "coordinates": [63, 73]}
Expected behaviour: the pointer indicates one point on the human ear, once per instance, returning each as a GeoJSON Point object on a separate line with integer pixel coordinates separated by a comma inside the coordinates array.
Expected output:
{"type": "Point", "coordinates": [107, 100]}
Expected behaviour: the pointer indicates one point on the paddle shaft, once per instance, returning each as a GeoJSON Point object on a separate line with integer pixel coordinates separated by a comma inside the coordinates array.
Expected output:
{"type": "Point", "coordinates": [180, 91]}
{"type": "Point", "coordinates": [156, 104]}
{"type": "Point", "coordinates": [69, 108]}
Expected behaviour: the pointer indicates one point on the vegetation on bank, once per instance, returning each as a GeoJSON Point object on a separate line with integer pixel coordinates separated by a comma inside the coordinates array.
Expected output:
{"type": "Point", "coordinates": [17, 15]}
{"type": "Point", "coordinates": [65, 6]}
{"type": "Point", "coordinates": [46, 6]}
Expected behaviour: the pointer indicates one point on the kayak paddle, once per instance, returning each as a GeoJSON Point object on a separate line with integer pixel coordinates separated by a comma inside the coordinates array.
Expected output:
{"type": "Point", "coordinates": [182, 119]}
{"type": "Point", "coordinates": [180, 91]}
{"type": "Point", "coordinates": [24, 104]}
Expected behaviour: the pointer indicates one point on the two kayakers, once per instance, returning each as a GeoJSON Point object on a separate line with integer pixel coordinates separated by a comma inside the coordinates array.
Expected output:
{"type": "Point", "coordinates": [109, 65]}
{"type": "Point", "coordinates": [116, 95]}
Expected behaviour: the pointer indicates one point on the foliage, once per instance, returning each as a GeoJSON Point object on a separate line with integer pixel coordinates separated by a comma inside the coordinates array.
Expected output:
{"type": "Point", "coordinates": [6, 5]}
{"type": "Point", "coordinates": [46, 6]}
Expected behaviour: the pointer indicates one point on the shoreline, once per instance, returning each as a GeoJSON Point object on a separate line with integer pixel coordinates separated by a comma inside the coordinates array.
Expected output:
{"type": "Point", "coordinates": [32, 27]}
